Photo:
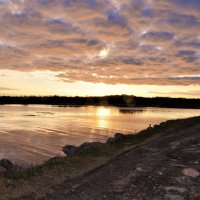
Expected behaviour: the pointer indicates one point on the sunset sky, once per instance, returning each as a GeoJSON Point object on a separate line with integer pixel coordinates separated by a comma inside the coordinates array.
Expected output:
{"type": "Point", "coordinates": [100, 47]}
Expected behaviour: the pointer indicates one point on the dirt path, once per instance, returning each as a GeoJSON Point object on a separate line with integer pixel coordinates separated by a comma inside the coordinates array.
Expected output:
{"type": "Point", "coordinates": [165, 168]}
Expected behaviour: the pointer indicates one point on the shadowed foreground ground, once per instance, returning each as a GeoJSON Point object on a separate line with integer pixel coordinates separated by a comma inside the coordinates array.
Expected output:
{"type": "Point", "coordinates": [152, 171]}
{"type": "Point", "coordinates": [166, 167]}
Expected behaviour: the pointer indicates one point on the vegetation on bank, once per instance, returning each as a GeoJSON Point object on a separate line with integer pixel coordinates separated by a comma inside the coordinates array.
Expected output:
{"type": "Point", "coordinates": [102, 153]}
{"type": "Point", "coordinates": [118, 100]}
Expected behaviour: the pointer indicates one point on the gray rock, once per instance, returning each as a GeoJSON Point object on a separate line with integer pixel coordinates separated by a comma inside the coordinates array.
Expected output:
{"type": "Point", "coordinates": [70, 150]}
{"type": "Point", "coordinates": [160, 173]}
{"type": "Point", "coordinates": [110, 141]}
{"type": "Point", "coordinates": [192, 150]}
{"type": "Point", "coordinates": [2, 170]}
{"type": "Point", "coordinates": [7, 164]}
{"type": "Point", "coordinates": [174, 188]}
{"type": "Point", "coordinates": [190, 172]}
{"type": "Point", "coordinates": [186, 181]}
{"type": "Point", "coordinates": [119, 191]}
{"type": "Point", "coordinates": [89, 146]}
{"type": "Point", "coordinates": [117, 138]}
{"type": "Point", "coordinates": [173, 197]}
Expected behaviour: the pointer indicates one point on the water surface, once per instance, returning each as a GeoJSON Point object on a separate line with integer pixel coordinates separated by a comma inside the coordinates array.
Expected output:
{"type": "Point", "coordinates": [34, 133]}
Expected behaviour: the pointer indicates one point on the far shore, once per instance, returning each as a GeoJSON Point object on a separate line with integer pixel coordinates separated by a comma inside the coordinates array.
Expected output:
{"type": "Point", "coordinates": [115, 100]}
{"type": "Point", "coordinates": [17, 182]}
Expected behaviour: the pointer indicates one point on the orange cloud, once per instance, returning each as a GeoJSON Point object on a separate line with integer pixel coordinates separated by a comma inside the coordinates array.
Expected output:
{"type": "Point", "coordinates": [147, 42]}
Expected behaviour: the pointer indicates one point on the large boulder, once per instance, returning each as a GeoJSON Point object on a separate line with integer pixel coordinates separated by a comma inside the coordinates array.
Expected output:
{"type": "Point", "coordinates": [70, 150]}
{"type": "Point", "coordinates": [110, 141]}
{"type": "Point", "coordinates": [116, 139]}
{"type": "Point", "coordinates": [87, 146]}
{"type": "Point", "coordinates": [7, 164]}
{"type": "Point", "coordinates": [2, 170]}
{"type": "Point", "coordinates": [119, 136]}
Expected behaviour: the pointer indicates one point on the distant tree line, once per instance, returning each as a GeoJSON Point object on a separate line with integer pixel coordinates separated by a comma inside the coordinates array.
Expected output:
{"type": "Point", "coordinates": [121, 100]}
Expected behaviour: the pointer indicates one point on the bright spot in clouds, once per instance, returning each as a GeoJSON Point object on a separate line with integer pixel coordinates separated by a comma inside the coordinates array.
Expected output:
{"type": "Point", "coordinates": [104, 53]}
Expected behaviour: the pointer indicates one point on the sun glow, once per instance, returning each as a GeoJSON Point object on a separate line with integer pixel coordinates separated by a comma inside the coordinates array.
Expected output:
{"type": "Point", "coordinates": [103, 112]}
{"type": "Point", "coordinates": [104, 53]}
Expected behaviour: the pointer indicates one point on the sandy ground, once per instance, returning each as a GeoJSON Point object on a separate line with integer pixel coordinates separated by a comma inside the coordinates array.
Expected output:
{"type": "Point", "coordinates": [164, 168]}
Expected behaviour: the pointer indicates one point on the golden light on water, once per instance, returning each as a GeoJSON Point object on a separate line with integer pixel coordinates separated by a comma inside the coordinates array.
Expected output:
{"type": "Point", "coordinates": [103, 123]}
{"type": "Point", "coordinates": [103, 112]}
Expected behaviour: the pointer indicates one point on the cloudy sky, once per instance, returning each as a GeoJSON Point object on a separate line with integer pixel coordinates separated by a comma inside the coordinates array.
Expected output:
{"type": "Point", "coordinates": [100, 47]}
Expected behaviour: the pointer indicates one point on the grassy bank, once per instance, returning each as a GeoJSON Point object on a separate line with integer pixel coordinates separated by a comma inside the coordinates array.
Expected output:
{"type": "Point", "coordinates": [57, 170]}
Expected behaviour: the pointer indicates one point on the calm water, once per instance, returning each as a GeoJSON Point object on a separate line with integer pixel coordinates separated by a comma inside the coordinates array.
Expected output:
{"type": "Point", "coordinates": [32, 134]}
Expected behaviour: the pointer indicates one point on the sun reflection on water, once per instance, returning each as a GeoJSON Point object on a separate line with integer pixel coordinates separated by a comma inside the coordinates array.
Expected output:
{"type": "Point", "coordinates": [102, 123]}
{"type": "Point", "coordinates": [37, 133]}
{"type": "Point", "coordinates": [103, 112]}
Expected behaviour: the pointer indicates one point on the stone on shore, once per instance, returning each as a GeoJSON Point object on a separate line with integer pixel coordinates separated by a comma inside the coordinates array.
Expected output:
{"type": "Point", "coordinates": [70, 150]}
{"type": "Point", "coordinates": [2, 170]}
{"type": "Point", "coordinates": [7, 164]}
{"type": "Point", "coordinates": [173, 197]}
{"type": "Point", "coordinates": [87, 146]}
{"type": "Point", "coordinates": [190, 172]}
{"type": "Point", "coordinates": [117, 138]}
{"type": "Point", "coordinates": [110, 141]}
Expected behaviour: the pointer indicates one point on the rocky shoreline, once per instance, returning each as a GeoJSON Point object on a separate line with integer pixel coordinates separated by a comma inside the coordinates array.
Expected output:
{"type": "Point", "coordinates": [6, 166]}
{"type": "Point", "coordinates": [158, 163]}
{"type": "Point", "coordinates": [71, 150]}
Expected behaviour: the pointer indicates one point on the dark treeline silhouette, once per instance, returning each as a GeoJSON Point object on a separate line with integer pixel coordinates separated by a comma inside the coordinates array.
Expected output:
{"type": "Point", "coordinates": [123, 101]}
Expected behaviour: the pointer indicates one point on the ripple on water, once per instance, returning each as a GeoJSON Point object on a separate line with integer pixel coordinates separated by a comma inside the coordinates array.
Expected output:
{"type": "Point", "coordinates": [35, 132]}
